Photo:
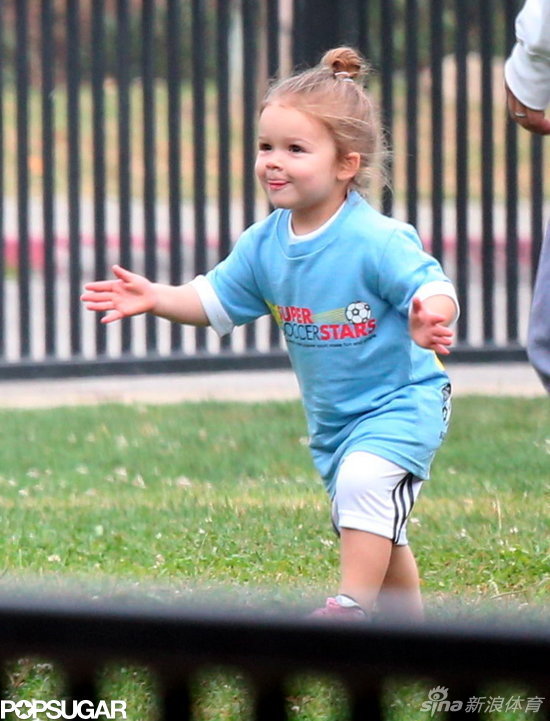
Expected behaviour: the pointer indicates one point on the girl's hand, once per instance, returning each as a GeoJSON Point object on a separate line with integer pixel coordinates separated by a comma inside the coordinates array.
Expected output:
{"type": "Point", "coordinates": [130, 294]}
{"type": "Point", "coordinates": [428, 329]}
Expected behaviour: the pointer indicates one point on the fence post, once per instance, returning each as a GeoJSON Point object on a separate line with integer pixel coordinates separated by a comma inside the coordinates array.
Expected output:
{"type": "Point", "coordinates": [316, 29]}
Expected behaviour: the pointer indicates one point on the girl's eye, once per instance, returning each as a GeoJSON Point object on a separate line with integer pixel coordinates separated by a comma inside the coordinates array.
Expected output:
{"type": "Point", "coordinates": [296, 149]}
{"type": "Point", "coordinates": [264, 146]}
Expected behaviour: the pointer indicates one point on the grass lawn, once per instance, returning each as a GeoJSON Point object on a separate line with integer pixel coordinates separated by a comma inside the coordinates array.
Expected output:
{"type": "Point", "coordinates": [203, 498]}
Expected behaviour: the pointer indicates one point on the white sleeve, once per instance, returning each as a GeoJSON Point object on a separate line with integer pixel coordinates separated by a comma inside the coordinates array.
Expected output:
{"type": "Point", "coordinates": [527, 70]}
{"type": "Point", "coordinates": [217, 315]}
{"type": "Point", "coordinates": [438, 287]}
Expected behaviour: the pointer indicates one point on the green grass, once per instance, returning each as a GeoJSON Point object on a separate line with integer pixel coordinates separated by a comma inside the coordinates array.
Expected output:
{"type": "Point", "coordinates": [198, 500]}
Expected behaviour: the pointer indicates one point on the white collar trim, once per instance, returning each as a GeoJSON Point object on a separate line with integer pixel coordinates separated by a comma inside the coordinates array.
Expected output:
{"type": "Point", "coordinates": [293, 238]}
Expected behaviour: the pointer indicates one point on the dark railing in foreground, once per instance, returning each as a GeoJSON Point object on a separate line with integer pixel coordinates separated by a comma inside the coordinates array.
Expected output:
{"type": "Point", "coordinates": [269, 649]}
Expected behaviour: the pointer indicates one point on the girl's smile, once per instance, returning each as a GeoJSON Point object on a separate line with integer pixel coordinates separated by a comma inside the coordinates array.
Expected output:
{"type": "Point", "coordinates": [275, 185]}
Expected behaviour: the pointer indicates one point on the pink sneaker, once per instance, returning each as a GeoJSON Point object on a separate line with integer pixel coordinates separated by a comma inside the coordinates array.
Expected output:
{"type": "Point", "coordinates": [342, 608]}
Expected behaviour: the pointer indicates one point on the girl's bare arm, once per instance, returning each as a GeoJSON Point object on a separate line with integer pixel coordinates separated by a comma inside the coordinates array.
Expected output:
{"type": "Point", "coordinates": [131, 294]}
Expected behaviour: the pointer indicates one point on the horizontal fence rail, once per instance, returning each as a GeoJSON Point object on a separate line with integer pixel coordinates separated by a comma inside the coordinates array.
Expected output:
{"type": "Point", "coordinates": [127, 135]}
{"type": "Point", "coordinates": [461, 660]}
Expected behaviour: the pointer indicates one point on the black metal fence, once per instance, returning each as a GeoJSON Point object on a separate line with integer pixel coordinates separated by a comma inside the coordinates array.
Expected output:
{"type": "Point", "coordinates": [127, 135]}
{"type": "Point", "coordinates": [475, 669]}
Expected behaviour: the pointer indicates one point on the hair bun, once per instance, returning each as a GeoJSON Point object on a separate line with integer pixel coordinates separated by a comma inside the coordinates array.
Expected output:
{"type": "Point", "coordinates": [344, 60]}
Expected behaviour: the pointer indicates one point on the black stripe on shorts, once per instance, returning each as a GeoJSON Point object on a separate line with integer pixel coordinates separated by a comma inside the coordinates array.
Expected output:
{"type": "Point", "coordinates": [403, 502]}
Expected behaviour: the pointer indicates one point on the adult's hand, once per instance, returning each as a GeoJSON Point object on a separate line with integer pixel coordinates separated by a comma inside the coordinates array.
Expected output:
{"type": "Point", "coordinates": [530, 119]}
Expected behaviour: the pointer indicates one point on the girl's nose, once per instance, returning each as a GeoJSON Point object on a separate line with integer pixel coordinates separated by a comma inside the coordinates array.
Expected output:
{"type": "Point", "coordinates": [273, 161]}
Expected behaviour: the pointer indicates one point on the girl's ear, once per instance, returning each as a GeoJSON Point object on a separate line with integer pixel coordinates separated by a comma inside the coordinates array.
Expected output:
{"type": "Point", "coordinates": [349, 166]}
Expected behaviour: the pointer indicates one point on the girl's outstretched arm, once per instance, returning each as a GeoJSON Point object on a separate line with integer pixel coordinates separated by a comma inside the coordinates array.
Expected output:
{"type": "Point", "coordinates": [429, 320]}
{"type": "Point", "coordinates": [131, 294]}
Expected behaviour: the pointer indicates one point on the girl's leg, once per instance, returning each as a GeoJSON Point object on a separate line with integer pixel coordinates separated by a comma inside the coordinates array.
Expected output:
{"type": "Point", "coordinates": [364, 565]}
{"type": "Point", "coordinates": [400, 593]}
{"type": "Point", "coordinates": [373, 570]}
{"type": "Point", "coordinates": [373, 500]}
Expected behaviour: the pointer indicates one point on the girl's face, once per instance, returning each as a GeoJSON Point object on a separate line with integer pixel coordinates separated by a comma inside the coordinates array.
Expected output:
{"type": "Point", "coordinates": [298, 167]}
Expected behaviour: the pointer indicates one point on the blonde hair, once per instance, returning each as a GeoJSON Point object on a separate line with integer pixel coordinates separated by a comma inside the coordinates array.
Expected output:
{"type": "Point", "coordinates": [334, 93]}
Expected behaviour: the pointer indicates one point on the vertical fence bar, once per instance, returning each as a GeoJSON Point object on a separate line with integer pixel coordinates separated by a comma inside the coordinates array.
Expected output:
{"type": "Point", "coordinates": [176, 701]}
{"type": "Point", "coordinates": [269, 702]}
{"type": "Point", "coordinates": [273, 31]}
{"type": "Point", "coordinates": [73, 122]}
{"type": "Point", "coordinates": [437, 136]}
{"type": "Point", "coordinates": [22, 88]}
{"type": "Point", "coordinates": [363, 14]}
{"type": "Point", "coordinates": [2, 192]}
{"type": "Point", "coordinates": [487, 169]}
{"type": "Point", "coordinates": [316, 29]}
{"type": "Point", "coordinates": [365, 703]}
{"type": "Point", "coordinates": [250, 61]}
{"type": "Point", "coordinates": [199, 145]}
{"type": "Point", "coordinates": [99, 173]}
{"type": "Point", "coordinates": [511, 202]}
{"type": "Point", "coordinates": [124, 153]}
{"type": "Point", "coordinates": [48, 189]}
{"type": "Point", "coordinates": [386, 73]}
{"type": "Point", "coordinates": [462, 147]}
{"type": "Point", "coordinates": [298, 32]}
{"type": "Point", "coordinates": [273, 69]}
{"type": "Point", "coordinates": [471, 702]}
{"type": "Point", "coordinates": [224, 134]}
{"type": "Point", "coordinates": [81, 684]}
{"type": "Point", "coordinates": [173, 47]}
{"type": "Point", "coordinates": [537, 201]}
{"type": "Point", "coordinates": [411, 39]}
{"type": "Point", "coordinates": [347, 27]}
{"type": "Point", "coordinates": [149, 177]}
{"type": "Point", "coordinates": [546, 708]}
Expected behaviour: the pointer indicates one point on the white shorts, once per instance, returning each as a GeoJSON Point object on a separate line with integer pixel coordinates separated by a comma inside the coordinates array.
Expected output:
{"type": "Point", "coordinates": [374, 495]}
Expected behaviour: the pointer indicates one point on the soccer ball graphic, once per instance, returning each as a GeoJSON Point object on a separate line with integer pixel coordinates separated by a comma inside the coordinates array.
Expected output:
{"type": "Point", "coordinates": [358, 312]}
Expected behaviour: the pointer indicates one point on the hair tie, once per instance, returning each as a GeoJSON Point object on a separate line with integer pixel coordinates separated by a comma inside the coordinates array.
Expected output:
{"type": "Point", "coordinates": [344, 76]}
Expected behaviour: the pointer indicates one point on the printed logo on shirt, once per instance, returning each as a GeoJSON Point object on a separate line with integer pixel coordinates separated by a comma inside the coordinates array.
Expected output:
{"type": "Point", "coordinates": [446, 393]}
{"type": "Point", "coordinates": [350, 325]}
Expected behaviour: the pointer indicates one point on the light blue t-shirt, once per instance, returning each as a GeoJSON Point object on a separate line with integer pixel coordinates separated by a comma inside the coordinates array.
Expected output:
{"type": "Point", "coordinates": [342, 302]}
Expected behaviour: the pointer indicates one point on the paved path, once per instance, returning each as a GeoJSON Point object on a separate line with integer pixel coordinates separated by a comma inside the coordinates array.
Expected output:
{"type": "Point", "coordinates": [503, 379]}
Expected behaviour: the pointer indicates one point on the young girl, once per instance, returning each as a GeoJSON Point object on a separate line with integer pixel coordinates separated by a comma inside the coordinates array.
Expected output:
{"type": "Point", "coordinates": [363, 311]}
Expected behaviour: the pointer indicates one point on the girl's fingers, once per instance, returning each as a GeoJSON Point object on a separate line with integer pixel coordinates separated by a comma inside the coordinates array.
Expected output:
{"type": "Point", "coordinates": [424, 316]}
{"type": "Point", "coordinates": [94, 296]}
{"type": "Point", "coordinates": [100, 285]}
{"type": "Point", "coordinates": [416, 305]}
{"type": "Point", "coordinates": [99, 305]}
{"type": "Point", "coordinates": [434, 319]}
{"type": "Point", "coordinates": [110, 317]}
{"type": "Point", "coordinates": [122, 273]}
{"type": "Point", "coordinates": [109, 285]}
